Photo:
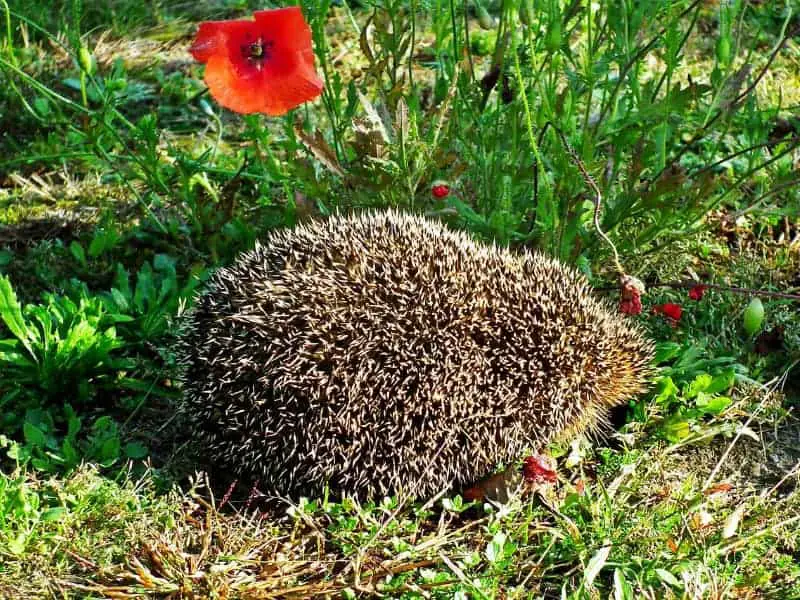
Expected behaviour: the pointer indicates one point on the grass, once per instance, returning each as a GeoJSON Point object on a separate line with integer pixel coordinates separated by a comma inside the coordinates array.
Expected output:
{"type": "Point", "coordinates": [123, 185]}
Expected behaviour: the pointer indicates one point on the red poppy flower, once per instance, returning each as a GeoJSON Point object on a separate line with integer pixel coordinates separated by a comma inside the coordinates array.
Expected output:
{"type": "Point", "coordinates": [440, 190]}
{"type": "Point", "coordinates": [261, 66]}
{"type": "Point", "coordinates": [696, 293]}
{"type": "Point", "coordinates": [673, 311]}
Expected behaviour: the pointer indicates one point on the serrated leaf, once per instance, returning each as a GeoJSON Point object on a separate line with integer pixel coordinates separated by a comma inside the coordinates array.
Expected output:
{"type": "Point", "coordinates": [320, 149]}
{"type": "Point", "coordinates": [11, 313]}
{"type": "Point", "coordinates": [666, 390]}
{"type": "Point", "coordinates": [666, 351]}
{"type": "Point", "coordinates": [97, 245]}
{"type": "Point", "coordinates": [722, 382]}
{"type": "Point", "coordinates": [700, 384]}
{"type": "Point", "coordinates": [119, 299]}
{"type": "Point", "coordinates": [676, 428]}
{"type": "Point", "coordinates": [77, 252]}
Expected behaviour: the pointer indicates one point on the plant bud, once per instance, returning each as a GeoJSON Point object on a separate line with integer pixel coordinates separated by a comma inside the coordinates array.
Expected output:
{"type": "Point", "coordinates": [86, 60]}
{"type": "Point", "coordinates": [484, 18]}
{"type": "Point", "coordinates": [753, 316]}
{"type": "Point", "coordinates": [553, 40]}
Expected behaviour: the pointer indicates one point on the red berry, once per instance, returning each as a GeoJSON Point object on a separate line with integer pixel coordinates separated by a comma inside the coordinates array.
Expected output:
{"type": "Point", "coordinates": [696, 293]}
{"type": "Point", "coordinates": [440, 190]}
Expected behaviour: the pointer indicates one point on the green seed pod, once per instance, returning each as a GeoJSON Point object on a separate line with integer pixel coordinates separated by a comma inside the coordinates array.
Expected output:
{"type": "Point", "coordinates": [484, 18]}
{"type": "Point", "coordinates": [526, 12]}
{"type": "Point", "coordinates": [86, 60]}
{"type": "Point", "coordinates": [553, 41]}
{"type": "Point", "coordinates": [724, 50]}
{"type": "Point", "coordinates": [753, 316]}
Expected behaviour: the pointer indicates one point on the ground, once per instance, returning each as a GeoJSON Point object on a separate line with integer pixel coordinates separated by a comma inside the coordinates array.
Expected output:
{"type": "Point", "coordinates": [123, 185]}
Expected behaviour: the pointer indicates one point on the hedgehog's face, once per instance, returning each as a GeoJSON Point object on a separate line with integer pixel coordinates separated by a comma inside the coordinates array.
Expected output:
{"type": "Point", "coordinates": [595, 368]}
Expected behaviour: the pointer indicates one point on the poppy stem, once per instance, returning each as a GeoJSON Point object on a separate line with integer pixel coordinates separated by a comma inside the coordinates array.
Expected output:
{"type": "Point", "coordinates": [598, 197]}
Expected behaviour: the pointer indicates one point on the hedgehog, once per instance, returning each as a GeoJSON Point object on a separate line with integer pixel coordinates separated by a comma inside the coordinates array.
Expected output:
{"type": "Point", "coordinates": [384, 353]}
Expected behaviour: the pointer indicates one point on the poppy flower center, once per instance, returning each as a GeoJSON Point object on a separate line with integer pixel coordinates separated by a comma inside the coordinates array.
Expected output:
{"type": "Point", "coordinates": [257, 52]}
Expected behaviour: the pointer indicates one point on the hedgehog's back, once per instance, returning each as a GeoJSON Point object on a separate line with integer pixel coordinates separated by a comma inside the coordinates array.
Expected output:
{"type": "Point", "coordinates": [385, 352]}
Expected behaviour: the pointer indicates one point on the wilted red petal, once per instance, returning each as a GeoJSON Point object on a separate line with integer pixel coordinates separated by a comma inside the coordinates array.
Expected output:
{"type": "Point", "coordinates": [632, 306]}
{"type": "Point", "coordinates": [536, 469]}
{"type": "Point", "coordinates": [673, 311]}
{"type": "Point", "coordinates": [630, 295]}
{"type": "Point", "coordinates": [696, 293]}
{"type": "Point", "coordinates": [719, 488]}
{"type": "Point", "coordinates": [266, 65]}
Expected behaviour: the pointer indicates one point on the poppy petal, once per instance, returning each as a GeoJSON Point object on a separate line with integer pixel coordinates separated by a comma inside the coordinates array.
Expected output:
{"type": "Point", "coordinates": [212, 37]}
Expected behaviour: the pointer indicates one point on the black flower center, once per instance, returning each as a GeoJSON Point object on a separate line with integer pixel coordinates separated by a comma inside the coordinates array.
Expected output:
{"type": "Point", "coordinates": [257, 52]}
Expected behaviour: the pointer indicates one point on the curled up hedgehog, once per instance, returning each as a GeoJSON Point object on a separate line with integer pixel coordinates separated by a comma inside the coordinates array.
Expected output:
{"type": "Point", "coordinates": [385, 353]}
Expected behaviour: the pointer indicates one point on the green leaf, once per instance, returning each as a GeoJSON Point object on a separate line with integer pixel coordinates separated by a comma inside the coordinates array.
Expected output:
{"type": "Point", "coordinates": [69, 454]}
{"type": "Point", "coordinates": [119, 299]}
{"type": "Point", "coordinates": [17, 545]}
{"type": "Point", "coordinates": [164, 262]}
{"type": "Point", "coordinates": [676, 428]}
{"type": "Point", "coordinates": [722, 382]}
{"type": "Point", "coordinates": [712, 404]}
{"type": "Point", "coordinates": [11, 313]}
{"type": "Point", "coordinates": [6, 256]}
{"type": "Point", "coordinates": [53, 514]}
{"type": "Point", "coordinates": [666, 351]}
{"type": "Point", "coordinates": [668, 577]}
{"type": "Point", "coordinates": [77, 253]}
{"type": "Point", "coordinates": [135, 450]}
{"type": "Point", "coordinates": [700, 384]}
{"type": "Point", "coordinates": [595, 565]}
{"type": "Point", "coordinates": [622, 589]}
{"type": "Point", "coordinates": [73, 426]}
{"type": "Point", "coordinates": [109, 451]}
{"type": "Point", "coordinates": [144, 288]}
{"type": "Point", "coordinates": [33, 435]}
{"type": "Point", "coordinates": [494, 549]}
{"type": "Point", "coordinates": [667, 390]}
